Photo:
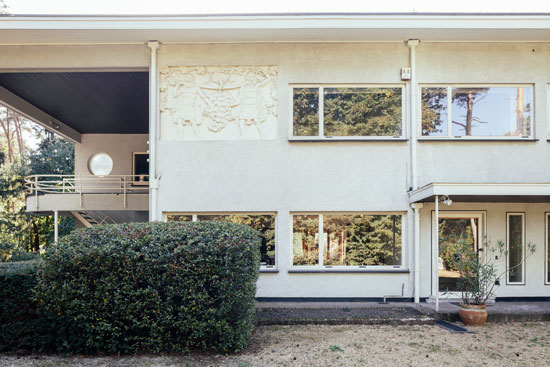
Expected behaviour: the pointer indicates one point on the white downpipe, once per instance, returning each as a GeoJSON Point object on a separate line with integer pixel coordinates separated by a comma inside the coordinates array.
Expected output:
{"type": "Point", "coordinates": [55, 226]}
{"type": "Point", "coordinates": [435, 271]}
{"type": "Point", "coordinates": [412, 44]}
{"type": "Point", "coordinates": [416, 208]}
{"type": "Point", "coordinates": [153, 128]}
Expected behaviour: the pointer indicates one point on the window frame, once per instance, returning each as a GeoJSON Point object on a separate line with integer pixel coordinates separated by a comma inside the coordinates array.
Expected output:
{"type": "Point", "coordinates": [321, 137]}
{"type": "Point", "coordinates": [523, 237]}
{"type": "Point", "coordinates": [546, 248]}
{"type": "Point", "coordinates": [449, 135]}
{"type": "Point", "coordinates": [194, 218]}
{"type": "Point", "coordinates": [351, 268]}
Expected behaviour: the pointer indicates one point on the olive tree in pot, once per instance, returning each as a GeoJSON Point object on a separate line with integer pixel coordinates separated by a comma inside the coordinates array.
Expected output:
{"type": "Point", "coordinates": [480, 276]}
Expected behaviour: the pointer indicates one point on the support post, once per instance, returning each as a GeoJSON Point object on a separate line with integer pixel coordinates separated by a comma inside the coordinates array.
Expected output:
{"type": "Point", "coordinates": [416, 208]}
{"type": "Point", "coordinates": [435, 272]}
{"type": "Point", "coordinates": [153, 129]}
{"type": "Point", "coordinates": [55, 226]}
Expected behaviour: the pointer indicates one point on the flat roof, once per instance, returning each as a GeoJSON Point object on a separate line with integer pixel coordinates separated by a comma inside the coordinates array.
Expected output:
{"type": "Point", "coordinates": [285, 27]}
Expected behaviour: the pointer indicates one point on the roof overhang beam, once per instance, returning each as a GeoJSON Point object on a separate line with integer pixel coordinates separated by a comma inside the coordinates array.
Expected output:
{"type": "Point", "coordinates": [35, 114]}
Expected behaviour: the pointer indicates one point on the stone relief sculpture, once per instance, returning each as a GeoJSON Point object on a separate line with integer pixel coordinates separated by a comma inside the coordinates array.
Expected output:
{"type": "Point", "coordinates": [218, 102]}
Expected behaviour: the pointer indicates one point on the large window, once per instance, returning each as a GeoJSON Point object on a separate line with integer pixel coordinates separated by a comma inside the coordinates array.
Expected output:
{"type": "Point", "coordinates": [347, 111]}
{"type": "Point", "coordinates": [477, 111]}
{"type": "Point", "coordinates": [347, 239]}
{"type": "Point", "coordinates": [547, 257]}
{"type": "Point", "coordinates": [515, 242]}
{"type": "Point", "coordinates": [263, 223]}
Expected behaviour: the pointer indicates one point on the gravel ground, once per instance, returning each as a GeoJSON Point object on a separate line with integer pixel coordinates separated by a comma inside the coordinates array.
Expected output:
{"type": "Point", "coordinates": [512, 344]}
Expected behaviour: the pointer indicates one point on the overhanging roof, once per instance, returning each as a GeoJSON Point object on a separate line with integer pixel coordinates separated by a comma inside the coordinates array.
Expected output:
{"type": "Point", "coordinates": [484, 192]}
{"type": "Point", "coordinates": [85, 102]}
{"type": "Point", "coordinates": [339, 27]}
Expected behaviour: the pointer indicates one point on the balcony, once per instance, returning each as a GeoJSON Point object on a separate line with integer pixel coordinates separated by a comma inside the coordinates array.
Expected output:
{"type": "Point", "coordinates": [47, 193]}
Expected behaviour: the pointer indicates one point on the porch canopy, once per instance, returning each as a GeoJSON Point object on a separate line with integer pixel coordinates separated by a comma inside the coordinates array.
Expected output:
{"type": "Point", "coordinates": [483, 192]}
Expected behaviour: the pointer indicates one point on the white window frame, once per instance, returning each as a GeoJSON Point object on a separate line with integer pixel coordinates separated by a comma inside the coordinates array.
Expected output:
{"type": "Point", "coordinates": [546, 248]}
{"type": "Point", "coordinates": [321, 114]}
{"type": "Point", "coordinates": [195, 215]}
{"type": "Point", "coordinates": [449, 135]}
{"type": "Point", "coordinates": [523, 268]}
{"type": "Point", "coordinates": [321, 266]}
{"type": "Point", "coordinates": [457, 214]}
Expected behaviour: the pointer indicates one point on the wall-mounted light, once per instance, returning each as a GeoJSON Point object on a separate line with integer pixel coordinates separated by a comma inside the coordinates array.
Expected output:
{"type": "Point", "coordinates": [444, 199]}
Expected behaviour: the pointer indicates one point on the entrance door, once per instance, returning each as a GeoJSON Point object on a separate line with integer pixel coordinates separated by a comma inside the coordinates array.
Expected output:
{"type": "Point", "coordinates": [455, 230]}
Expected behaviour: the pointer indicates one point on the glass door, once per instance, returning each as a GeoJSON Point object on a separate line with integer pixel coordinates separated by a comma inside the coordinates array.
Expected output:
{"type": "Point", "coordinates": [455, 231]}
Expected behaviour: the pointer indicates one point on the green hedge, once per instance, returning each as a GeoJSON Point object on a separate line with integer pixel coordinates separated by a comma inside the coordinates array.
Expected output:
{"type": "Point", "coordinates": [151, 287]}
{"type": "Point", "coordinates": [23, 325]}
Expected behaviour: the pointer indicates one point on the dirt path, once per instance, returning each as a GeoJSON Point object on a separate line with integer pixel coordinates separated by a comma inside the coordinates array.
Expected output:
{"type": "Point", "coordinates": [516, 344]}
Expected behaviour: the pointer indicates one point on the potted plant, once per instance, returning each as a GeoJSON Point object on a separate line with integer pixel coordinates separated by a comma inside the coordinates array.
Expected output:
{"type": "Point", "coordinates": [480, 276]}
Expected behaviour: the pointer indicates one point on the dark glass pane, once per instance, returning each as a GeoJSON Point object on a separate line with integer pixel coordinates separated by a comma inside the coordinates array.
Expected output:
{"type": "Point", "coordinates": [362, 111]}
{"type": "Point", "coordinates": [305, 239]}
{"type": "Point", "coordinates": [305, 121]}
{"type": "Point", "coordinates": [434, 112]}
{"type": "Point", "coordinates": [515, 248]}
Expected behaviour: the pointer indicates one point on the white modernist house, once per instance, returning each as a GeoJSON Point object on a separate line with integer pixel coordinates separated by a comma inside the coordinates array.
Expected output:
{"type": "Point", "coordinates": [363, 147]}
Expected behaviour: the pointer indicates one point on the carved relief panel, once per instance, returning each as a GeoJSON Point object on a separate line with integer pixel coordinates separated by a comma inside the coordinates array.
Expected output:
{"type": "Point", "coordinates": [218, 102]}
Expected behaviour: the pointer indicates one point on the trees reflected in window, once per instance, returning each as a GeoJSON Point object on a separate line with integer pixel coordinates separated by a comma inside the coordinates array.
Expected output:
{"type": "Point", "coordinates": [348, 111]}
{"type": "Point", "coordinates": [348, 239]}
{"type": "Point", "coordinates": [477, 111]}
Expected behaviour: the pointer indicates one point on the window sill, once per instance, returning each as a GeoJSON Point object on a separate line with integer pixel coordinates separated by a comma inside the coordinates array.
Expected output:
{"type": "Point", "coordinates": [360, 271]}
{"type": "Point", "coordinates": [315, 139]}
{"type": "Point", "coordinates": [268, 270]}
{"type": "Point", "coordinates": [479, 139]}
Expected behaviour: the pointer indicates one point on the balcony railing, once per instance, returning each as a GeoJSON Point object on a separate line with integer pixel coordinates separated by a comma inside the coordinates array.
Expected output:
{"type": "Point", "coordinates": [73, 184]}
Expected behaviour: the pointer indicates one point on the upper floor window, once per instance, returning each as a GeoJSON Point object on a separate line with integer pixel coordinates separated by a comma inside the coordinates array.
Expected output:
{"type": "Point", "coordinates": [347, 111]}
{"type": "Point", "coordinates": [477, 111]}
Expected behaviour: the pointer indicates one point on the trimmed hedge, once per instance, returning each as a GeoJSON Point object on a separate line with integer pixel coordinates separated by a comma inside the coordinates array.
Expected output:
{"type": "Point", "coordinates": [151, 287]}
{"type": "Point", "coordinates": [23, 326]}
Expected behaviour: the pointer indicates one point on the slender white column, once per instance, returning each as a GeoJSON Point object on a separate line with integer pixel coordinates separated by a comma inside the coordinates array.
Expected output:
{"type": "Point", "coordinates": [153, 129]}
{"type": "Point", "coordinates": [435, 272]}
{"type": "Point", "coordinates": [416, 207]}
{"type": "Point", "coordinates": [55, 226]}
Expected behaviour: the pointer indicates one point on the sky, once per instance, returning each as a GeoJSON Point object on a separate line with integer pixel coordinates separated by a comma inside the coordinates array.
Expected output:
{"type": "Point", "coordinates": [263, 6]}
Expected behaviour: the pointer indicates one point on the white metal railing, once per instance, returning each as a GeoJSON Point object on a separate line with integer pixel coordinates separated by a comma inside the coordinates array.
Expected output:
{"type": "Point", "coordinates": [73, 184]}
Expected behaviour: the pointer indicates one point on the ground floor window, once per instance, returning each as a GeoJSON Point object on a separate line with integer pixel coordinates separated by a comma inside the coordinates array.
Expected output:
{"type": "Point", "coordinates": [347, 239]}
{"type": "Point", "coordinates": [515, 242]}
{"type": "Point", "coordinates": [263, 223]}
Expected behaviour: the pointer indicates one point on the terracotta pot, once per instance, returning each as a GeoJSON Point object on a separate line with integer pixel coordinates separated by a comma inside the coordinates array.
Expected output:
{"type": "Point", "coordinates": [473, 315]}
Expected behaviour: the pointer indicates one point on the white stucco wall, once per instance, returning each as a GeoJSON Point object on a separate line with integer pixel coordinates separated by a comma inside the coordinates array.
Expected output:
{"type": "Point", "coordinates": [118, 146]}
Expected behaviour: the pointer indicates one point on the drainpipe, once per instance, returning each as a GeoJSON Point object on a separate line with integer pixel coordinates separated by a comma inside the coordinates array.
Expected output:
{"type": "Point", "coordinates": [412, 44]}
{"type": "Point", "coordinates": [416, 208]}
{"type": "Point", "coordinates": [153, 128]}
{"type": "Point", "coordinates": [435, 254]}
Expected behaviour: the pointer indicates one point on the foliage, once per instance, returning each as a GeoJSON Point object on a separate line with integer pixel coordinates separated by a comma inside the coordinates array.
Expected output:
{"type": "Point", "coordinates": [21, 231]}
{"type": "Point", "coordinates": [152, 287]}
{"type": "Point", "coordinates": [348, 111]}
{"type": "Point", "coordinates": [22, 325]}
{"type": "Point", "coordinates": [480, 275]}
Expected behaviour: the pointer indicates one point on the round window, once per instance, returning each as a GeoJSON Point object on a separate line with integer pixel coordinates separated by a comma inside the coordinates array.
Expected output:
{"type": "Point", "coordinates": [100, 164]}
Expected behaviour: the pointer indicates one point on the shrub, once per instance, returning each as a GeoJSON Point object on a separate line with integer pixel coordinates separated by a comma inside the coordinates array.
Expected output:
{"type": "Point", "coordinates": [152, 287]}
{"type": "Point", "coordinates": [22, 324]}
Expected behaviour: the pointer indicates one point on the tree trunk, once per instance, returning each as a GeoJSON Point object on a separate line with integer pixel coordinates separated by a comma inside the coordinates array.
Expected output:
{"type": "Point", "coordinates": [469, 113]}
{"type": "Point", "coordinates": [520, 123]}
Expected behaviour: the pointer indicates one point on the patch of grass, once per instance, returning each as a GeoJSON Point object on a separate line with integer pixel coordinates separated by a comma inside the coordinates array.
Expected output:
{"type": "Point", "coordinates": [335, 348]}
{"type": "Point", "coordinates": [243, 364]}
{"type": "Point", "coordinates": [413, 344]}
